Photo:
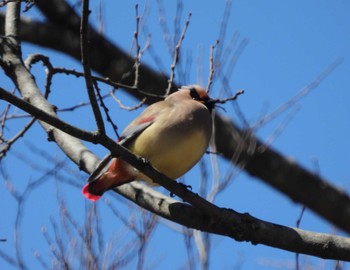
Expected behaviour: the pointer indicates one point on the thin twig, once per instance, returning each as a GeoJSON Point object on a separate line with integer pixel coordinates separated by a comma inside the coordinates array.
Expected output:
{"type": "Point", "coordinates": [165, 29]}
{"type": "Point", "coordinates": [153, 53]}
{"type": "Point", "coordinates": [79, 105]}
{"type": "Point", "coordinates": [297, 225]}
{"type": "Point", "coordinates": [67, 109]}
{"type": "Point", "coordinates": [137, 57]}
{"type": "Point", "coordinates": [302, 93]}
{"type": "Point", "coordinates": [177, 55]}
{"type": "Point", "coordinates": [211, 66]}
{"type": "Point", "coordinates": [202, 248]}
{"type": "Point", "coordinates": [234, 97]}
{"type": "Point", "coordinates": [108, 81]}
{"type": "Point", "coordinates": [105, 80]}
{"type": "Point", "coordinates": [128, 108]}
{"type": "Point", "coordinates": [86, 65]}
{"type": "Point", "coordinates": [5, 2]}
{"type": "Point", "coordinates": [33, 59]}
{"type": "Point", "coordinates": [176, 35]}
{"type": "Point", "coordinates": [42, 115]}
{"type": "Point", "coordinates": [268, 142]}
{"type": "Point", "coordinates": [223, 28]}
{"type": "Point", "coordinates": [10, 260]}
{"type": "Point", "coordinates": [29, 5]}
{"type": "Point", "coordinates": [188, 239]}
{"type": "Point", "coordinates": [148, 224]}
{"type": "Point", "coordinates": [4, 118]}
{"type": "Point", "coordinates": [177, 21]}
{"type": "Point", "coordinates": [215, 170]}
{"type": "Point", "coordinates": [225, 75]}
{"type": "Point", "coordinates": [20, 134]}
{"type": "Point", "coordinates": [228, 52]}
{"type": "Point", "coordinates": [20, 199]}
{"type": "Point", "coordinates": [105, 109]}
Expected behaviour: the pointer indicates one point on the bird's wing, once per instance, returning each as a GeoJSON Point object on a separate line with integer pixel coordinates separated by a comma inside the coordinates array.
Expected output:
{"type": "Point", "coordinates": [139, 124]}
{"type": "Point", "coordinates": [133, 131]}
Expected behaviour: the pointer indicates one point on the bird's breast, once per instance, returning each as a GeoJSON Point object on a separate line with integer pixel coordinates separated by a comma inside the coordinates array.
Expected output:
{"type": "Point", "coordinates": [174, 148]}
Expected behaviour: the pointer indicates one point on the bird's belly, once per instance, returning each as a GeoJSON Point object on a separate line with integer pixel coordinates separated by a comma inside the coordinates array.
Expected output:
{"type": "Point", "coordinates": [173, 156]}
{"type": "Point", "coordinates": [181, 156]}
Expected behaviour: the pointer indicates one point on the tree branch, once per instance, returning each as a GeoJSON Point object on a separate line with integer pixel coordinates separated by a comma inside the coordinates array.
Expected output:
{"type": "Point", "coordinates": [86, 65]}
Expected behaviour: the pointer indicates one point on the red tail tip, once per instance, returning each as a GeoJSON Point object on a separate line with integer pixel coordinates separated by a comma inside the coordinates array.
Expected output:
{"type": "Point", "coordinates": [88, 195]}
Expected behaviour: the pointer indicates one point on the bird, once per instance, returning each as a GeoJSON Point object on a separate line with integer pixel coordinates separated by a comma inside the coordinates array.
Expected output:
{"type": "Point", "coordinates": [172, 134]}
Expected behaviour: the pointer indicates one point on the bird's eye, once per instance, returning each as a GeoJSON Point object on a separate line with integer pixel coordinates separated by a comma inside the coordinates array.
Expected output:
{"type": "Point", "coordinates": [194, 94]}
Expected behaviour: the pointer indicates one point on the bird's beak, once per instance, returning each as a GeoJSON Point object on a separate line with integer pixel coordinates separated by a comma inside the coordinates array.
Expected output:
{"type": "Point", "coordinates": [209, 103]}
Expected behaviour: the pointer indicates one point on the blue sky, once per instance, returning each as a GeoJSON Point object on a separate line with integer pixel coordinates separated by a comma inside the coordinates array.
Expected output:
{"type": "Point", "coordinates": [290, 44]}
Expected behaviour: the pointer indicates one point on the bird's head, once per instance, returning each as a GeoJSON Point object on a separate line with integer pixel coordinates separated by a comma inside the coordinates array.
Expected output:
{"type": "Point", "coordinates": [199, 94]}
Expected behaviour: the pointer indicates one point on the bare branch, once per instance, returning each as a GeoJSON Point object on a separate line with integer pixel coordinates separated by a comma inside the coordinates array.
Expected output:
{"type": "Point", "coordinates": [95, 78]}
{"type": "Point", "coordinates": [230, 64]}
{"type": "Point", "coordinates": [211, 66]}
{"type": "Point", "coordinates": [234, 97]}
{"type": "Point", "coordinates": [138, 48]}
{"type": "Point", "coordinates": [223, 27]}
{"type": "Point", "coordinates": [127, 107]}
{"type": "Point", "coordinates": [164, 27]}
{"type": "Point", "coordinates": [107, 81]}
{"type": "Point", "coordinates": [302, 93]}
{"type": "Point", "coordinates": [268, 142]}
{"type": "Point", "coordinates": [10, 260]}
{"type": "Point", "coordinates": [177, 55]}
{"type": "Point", "coordinates": [29, 3]}
{"type": "Point", "coordinates": [33, 59]}
{"type": "Point", "coordinates": [5, 2]}
{"type": "Point", "coordinates": [42, 115]}
{"type": "Point", "coordinates": [105, 109]}
{"type": "Point", "coordinates": [20, 134]}
{"type": "Point", "coordinates": [86, 65]}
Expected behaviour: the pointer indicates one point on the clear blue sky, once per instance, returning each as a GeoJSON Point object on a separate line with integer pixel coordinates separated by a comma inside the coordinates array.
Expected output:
{"type": "Point", "coordinates": [290, 43]}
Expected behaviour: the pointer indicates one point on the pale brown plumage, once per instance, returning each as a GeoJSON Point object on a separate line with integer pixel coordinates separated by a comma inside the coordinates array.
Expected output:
{"type": "Point", "coordinates": [172, 134]}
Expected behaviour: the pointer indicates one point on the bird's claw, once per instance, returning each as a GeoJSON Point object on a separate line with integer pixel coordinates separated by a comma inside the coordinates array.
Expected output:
{"type": "Point", "coordinates": [143, 160]}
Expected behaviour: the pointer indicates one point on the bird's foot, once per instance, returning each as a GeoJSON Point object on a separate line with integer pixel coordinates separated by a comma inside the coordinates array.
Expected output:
{"type": "Point", "coordinates": [143, 160]}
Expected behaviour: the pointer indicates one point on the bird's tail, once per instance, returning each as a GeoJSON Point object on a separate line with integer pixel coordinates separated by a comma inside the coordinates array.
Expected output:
{"type": "Point", "coordinates": [94, 190]}
{"type": "Point", "coordinates": [116, 175]}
